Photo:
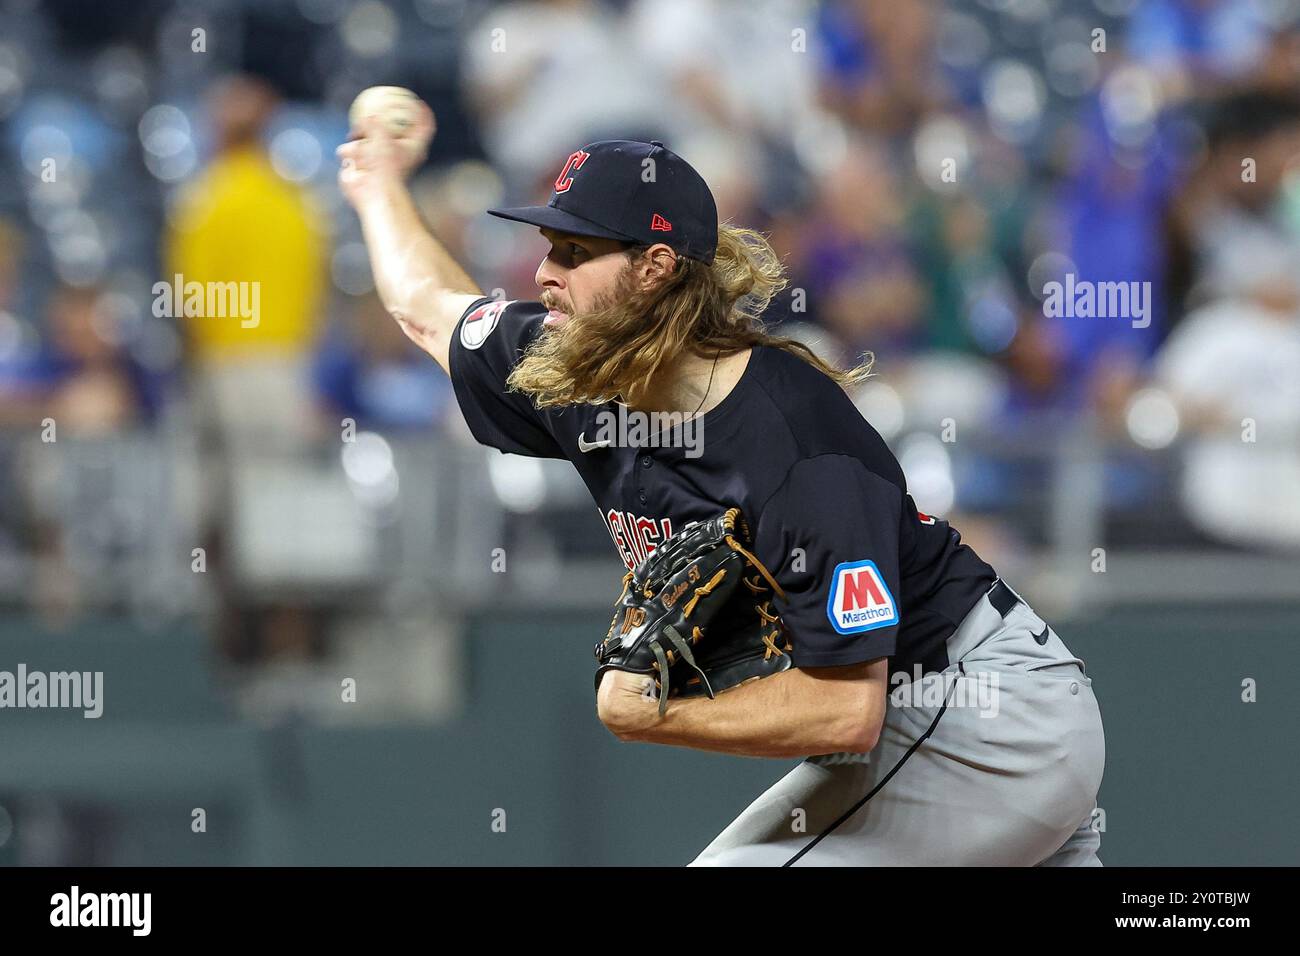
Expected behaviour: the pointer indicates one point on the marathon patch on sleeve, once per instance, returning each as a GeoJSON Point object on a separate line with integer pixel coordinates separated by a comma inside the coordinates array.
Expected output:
{"type": "Point", "coordinates": [478, 325]}
{"type": "Point", "coordinates": [860, 599]}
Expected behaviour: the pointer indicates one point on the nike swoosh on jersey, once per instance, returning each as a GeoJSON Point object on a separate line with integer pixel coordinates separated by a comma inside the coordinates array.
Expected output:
{"type": "Point", "coordinates": [585, 446]}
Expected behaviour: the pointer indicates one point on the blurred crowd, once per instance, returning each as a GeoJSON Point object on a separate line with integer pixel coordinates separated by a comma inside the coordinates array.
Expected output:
{"type": "Point", "coordinates": [928, 169]}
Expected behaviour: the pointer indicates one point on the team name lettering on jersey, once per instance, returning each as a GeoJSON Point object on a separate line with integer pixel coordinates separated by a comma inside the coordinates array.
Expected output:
{"type": "Point", "coordinates": [635, 536]}
{"type": "Point", "coordinates": [860, 599]}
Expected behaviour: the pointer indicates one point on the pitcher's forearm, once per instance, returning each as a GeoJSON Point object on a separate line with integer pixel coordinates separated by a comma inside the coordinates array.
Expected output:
{"type": "Point", "coordinates": [416, 278]}
{"type": "Point", "coordinates": [786, 715]}
{"type": "Point", "coordinates": [743, 720]}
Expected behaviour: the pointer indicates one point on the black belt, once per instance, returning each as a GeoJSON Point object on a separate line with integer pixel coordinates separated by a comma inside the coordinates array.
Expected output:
{"type": "Point", "coordinates": [1002, 598]}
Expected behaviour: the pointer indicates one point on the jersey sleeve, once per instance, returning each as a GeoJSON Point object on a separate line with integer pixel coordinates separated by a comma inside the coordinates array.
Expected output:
{"type": "Point", "coordinates": [830, 535]}
{"type": "Point", "coordinates": [488, 341]}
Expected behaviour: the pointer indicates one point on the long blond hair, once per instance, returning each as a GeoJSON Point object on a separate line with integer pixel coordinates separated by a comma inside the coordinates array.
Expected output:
{"type": "Point", "coordinates": [618, 348]}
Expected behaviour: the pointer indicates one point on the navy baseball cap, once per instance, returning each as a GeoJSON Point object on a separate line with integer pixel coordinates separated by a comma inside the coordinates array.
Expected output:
{"type": "Point", "coordinates": [609, 190]}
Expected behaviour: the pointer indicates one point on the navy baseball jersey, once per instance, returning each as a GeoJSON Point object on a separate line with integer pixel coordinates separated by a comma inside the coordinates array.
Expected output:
{"type": "Point", "coordinates": [865, 574]}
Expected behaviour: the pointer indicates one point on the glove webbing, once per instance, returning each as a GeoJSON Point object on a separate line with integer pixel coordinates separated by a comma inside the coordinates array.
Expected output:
{"type": "Point", "coordinates": [758, 565]}
{"type": "Point", "coordinates": [765, 609]}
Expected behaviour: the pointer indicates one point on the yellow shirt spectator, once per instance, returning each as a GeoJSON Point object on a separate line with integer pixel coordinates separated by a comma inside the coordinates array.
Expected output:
{"type": "Point", "coordinates": [240, 222]}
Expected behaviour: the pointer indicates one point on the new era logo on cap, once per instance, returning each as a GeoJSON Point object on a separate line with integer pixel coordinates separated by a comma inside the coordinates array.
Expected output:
{"type": "Point", "coordinates": [631, 191]}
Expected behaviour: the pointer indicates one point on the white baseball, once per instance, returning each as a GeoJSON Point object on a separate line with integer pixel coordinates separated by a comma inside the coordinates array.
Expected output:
{"type": "Point", "coordinates": [396, 107]}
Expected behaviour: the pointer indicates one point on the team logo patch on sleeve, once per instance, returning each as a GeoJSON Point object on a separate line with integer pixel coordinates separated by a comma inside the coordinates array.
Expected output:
{"type": "Point", "coordinates": [478, 325]}
{"type": "Point", "coordinates": [860, 599]}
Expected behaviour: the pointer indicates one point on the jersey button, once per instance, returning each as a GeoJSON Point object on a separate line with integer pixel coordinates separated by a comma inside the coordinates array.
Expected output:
{"type": "Point", "coordinates": [643, 497]}
{"type": "Point", "coordinates": [646, 461]}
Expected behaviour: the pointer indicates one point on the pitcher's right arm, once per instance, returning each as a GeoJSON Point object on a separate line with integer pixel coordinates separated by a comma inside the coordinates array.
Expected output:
{"type": "Point", "coordinates": [424, 289]}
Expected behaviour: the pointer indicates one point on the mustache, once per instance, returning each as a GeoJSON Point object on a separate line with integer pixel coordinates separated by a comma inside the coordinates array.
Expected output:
{"type": "Point", "coordinates": [549, 300]}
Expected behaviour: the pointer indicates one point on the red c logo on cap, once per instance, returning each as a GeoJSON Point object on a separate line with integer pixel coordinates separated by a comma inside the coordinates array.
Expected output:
{"type": "Point", "coordinates": [571, 165]}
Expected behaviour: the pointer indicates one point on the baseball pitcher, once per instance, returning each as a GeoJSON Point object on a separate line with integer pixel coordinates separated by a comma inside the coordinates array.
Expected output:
{"type": "Point", "coordinates": [940, 720]}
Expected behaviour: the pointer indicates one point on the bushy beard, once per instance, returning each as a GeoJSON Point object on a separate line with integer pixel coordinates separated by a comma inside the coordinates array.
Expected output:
{"type": "Point", "coordinates": [631, 337]}
{"type": "Point", "coordinates": [593, 356]}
